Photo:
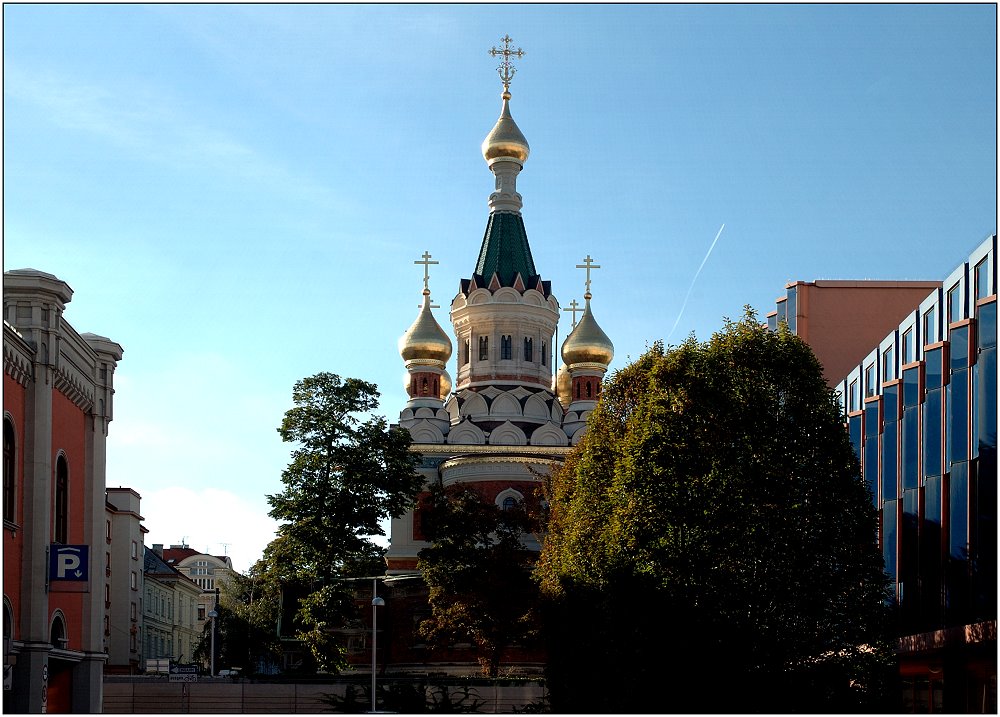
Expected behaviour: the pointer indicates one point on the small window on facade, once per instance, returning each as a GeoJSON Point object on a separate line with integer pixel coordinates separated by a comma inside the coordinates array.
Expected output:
{"type": "Point", "coordinates": [888, 364]}
{"type": "Point", "coordinates": [930, 325]}
{"type": "Point", "coordinates": [484, 348]}
{"type": "Point", "coordinates": [109, 531]}
{"type": "Point", "coordinates": [201, 612]}
{"type": "Point", "coordinates": [134, 580]}
{"type": "Point", "coordinates": [791, 309]}
{"type": "Point", "coordinates": [854, 396]}
{"type": "Point", "coordinates": [527, 349]}
{"type": "Point", "coordinates": [103, 373]}
{"type": "Point", "coordinates": [9, 473]}
{"type": "Point", "coordinates": [133, 612]}
{"type": "Point", "coordinates": [107, 564]}
{"type": "Point", "coordinates": [509, 503]}
{"type": "Point", "coordinates": [107, 596]}
{"type": "Point", "coordinates": [545, 356]}
{"type": "Point", "coordinates": [61, 527]}
{"type": "Point", "coordinates": [465, 352]}
{"type": "Point", "coordinates": [982, 278]}
{"type": "Point", "coordinates": [588, 389]}
{"type": "Point", "coordinates": [954, 304]}
{"type": "Point", "coordinates": [908, 346]}
{"type": "Point", "coordinates": [869, 380]}
{"type": "Point", "coordinates": [505, 348]}
{"type": "Point", "coordinates": [135, 550]}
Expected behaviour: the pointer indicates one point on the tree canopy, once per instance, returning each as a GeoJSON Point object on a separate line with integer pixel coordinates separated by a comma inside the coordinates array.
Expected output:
{"type": "Point", "coordinates": [712, 530]}
{"type": "Point", "coordinates": [348, 472]}
{"type": "Point", "coordinates": [478, 572]}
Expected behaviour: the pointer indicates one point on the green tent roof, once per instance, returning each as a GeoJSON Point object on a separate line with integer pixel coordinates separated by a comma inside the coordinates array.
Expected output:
{"type": "Point", "coordinates": [505, 250]}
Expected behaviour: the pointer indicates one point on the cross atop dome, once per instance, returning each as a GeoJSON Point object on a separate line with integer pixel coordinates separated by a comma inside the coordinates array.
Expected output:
{"type": "Point", "coordinates": [587, 264]}
{"type": "Point", "coordinates": [506, 70]}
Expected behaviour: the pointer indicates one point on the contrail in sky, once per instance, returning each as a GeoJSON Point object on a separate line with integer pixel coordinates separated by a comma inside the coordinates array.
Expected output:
{"type": "Point", "coordinates": [696, 274]}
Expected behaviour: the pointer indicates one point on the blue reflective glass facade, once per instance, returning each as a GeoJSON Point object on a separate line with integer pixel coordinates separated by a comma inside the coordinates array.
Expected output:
{"type": "Point", "coordinates": [931, 457]}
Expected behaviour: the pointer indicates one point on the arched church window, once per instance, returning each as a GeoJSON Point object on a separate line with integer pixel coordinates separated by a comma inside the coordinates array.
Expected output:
{"type": "Point", "coordinates": [505, 348]}
{"type": "Point", "coordinates": [509, 503]}
{"type": "Point", "coordinates": [578, 389]}
{"type": "Point", "coordinates": [465, 354]}
{"type": "Point", "coordinates": [423, 386]}
{"type": "Point", "coordinates": [9, 472]}
{"type": "Point", "coordinates": [61, 528]}
{"type": "Point", "coordinates": [588, 389]}
{"type": "Point", "coordinates": [527, 349]}
{"type": "Point", "coordinates": [484, 348]}
{"type": "Point", "coordinates": [545, 357]}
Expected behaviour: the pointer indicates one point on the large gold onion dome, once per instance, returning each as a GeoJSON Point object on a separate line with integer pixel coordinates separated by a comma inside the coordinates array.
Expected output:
{"type": "Point", "coordinates": [505, 139]}
{"type": "Point", "coordinates": [425, 339]}
{"type": "Point", "coordinates": [564, 386]}
{"type": "Point", "coordinates": [587, 343]}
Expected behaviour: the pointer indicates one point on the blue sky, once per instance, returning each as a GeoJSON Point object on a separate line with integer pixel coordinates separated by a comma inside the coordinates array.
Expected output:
{"type": "Point", "coordinates": [237, 193]}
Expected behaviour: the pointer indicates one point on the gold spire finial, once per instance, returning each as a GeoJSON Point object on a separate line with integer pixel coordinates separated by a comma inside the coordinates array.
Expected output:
{"type": "Point", "coordinates": [506, 70]}
{"type": "Point", "coordinates": [588, 264]}
{"type": "Point", "coordinates": [426, 256]}
{"type": "Point", "coordinates": [574, 307]}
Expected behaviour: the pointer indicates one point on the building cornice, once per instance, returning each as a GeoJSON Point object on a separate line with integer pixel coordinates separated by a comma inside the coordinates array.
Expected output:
{"type": "Point", "coordinates": [556, 453]}
{"type": "Point", "coordinates": [16, 357]}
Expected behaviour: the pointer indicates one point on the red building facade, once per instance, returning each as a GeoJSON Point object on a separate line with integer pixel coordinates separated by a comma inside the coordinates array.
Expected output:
{"type": "Point", "coordinates": [58, 389]}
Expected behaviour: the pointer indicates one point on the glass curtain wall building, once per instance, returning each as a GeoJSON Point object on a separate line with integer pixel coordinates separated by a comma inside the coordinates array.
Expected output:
{"type": "Point", "coordinates": [921, 412]}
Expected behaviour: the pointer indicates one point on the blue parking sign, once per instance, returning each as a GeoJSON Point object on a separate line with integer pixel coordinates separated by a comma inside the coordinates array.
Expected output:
{"type": "Point", "coordinates": [68, 563]}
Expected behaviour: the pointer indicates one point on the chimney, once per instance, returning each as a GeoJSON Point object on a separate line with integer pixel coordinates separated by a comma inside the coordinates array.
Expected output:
{"type": "Point", "coordinates": [158, 549]}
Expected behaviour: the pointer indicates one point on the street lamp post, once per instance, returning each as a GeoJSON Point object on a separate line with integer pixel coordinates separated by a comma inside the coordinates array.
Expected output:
{"type": "Point", "coordinates": [377, 602]}
{"type": "Point", "coordinates": [211, 616]}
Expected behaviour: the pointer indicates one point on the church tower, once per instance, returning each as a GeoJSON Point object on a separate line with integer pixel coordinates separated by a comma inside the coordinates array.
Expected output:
{"type": "Point", "coordinates": [503, 426]}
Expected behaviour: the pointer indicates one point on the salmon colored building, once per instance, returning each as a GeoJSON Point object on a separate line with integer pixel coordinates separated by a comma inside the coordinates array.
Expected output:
{"type": "Point", "coordinates": [842, 320]}
{"type": "Point", "coordinates": [58, 400]}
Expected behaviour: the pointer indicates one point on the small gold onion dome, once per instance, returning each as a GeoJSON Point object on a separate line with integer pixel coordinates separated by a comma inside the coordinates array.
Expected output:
{"type": "Point", "coordinates": [505, 139]}
{"type": "Point", "coordinates": [445, 385]}
{"type": "Point", "coordinates": [425, 339]}
{"type": "Point", "coordinates": [564, 386]}
{"type": "Point", "coordinates": [587, 343]}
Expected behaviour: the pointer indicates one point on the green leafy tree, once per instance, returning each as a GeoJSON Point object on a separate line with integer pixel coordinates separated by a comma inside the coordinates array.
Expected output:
{"type": "Point", "coordinates": [348, 472]}
{"type": "Point", "coordinates": [711, 544]}
{"type": "Point", "coordinates": [478, 572]}
{"type": "Point", "coordinates": [245, 626]}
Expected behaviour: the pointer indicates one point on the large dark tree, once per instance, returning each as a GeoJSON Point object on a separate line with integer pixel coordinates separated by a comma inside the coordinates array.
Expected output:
{"type": "Point", "coordinates": [479, 573]}
{"type": "Point", "coordinates": [711, 545]}
{"type": "Point", "coordinates": [348, 472]}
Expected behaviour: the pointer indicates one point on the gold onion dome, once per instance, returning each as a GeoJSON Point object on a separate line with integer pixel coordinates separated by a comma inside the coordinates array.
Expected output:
{"type": "Point", "coordinates": [505, 139]}
{"type": "Point", "coordinates": [445, 385]}
{"type": "Point", "coordinates": [587, 343]}
{"type": "Point", "coordinates": [425, 339]}
{"type": "Point", "coordinates": [564, 385]}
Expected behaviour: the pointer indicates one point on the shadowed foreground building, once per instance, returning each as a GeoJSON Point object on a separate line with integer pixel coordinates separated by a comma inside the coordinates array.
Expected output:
{"type": "Point", "coordinates": [921, 406]}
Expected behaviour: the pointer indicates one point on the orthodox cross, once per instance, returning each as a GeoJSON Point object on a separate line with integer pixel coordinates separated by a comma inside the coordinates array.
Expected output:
{"type": "Point", "coordinates": [588, 264]}
{"type": "Point", "coordinates": [574, 307]}
{"type": "Point", "coordinates": [427, 272]}
{"type": "Point", "coordinates": [506, 70]}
